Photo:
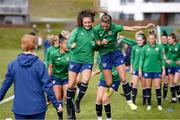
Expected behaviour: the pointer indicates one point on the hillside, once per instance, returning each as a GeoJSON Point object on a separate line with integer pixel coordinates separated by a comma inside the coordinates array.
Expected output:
{"type": "Point", "coordinates": [58, 8]}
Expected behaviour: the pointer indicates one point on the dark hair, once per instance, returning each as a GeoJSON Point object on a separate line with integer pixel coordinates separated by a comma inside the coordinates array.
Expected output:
{"type": "Point", "coordinates": [164, 33]}
{"type": "Point", "coordinates": [152, 32]}
{"type": "Point", "coordinates": [106, 18]}
{"type": "Point", "coordinates": [85, 13]}
{"type": "Point", "coordinates": [61, 38]}
{"type": "Point", "coordinates": [32, 33]}
{"type": "Point", "coordinates": [142, 35]}
{"type": "Point", "coordinates": [173, 36]}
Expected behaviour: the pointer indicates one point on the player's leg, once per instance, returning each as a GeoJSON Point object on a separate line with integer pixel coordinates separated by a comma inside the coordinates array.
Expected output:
{"type": "Point", "coordinates": [143, 84]}
{"type": "Point", "coordinates": [58, 91]}
{"type": "Point", "coordinates": [107, 68]}
{"type": "Point", "coordinates": [105, 99]}
{"type": "Point", "coordinates": [86, 70]}
{"type": "Point", "coordinates": [165, 85]}
{"type": "Point", "coordinates": [148, 80]}
{"type": "Point", "coordinates": [118, 62]}
{"type": "Point", "coordinates": [172, 86]}
{"type": "Point", "coordinates": [157, 83]}
{"type": "Point", "coordinates": [100, 92]}
{"type": "Point", "coordinates": [126, 87]}
{"type": "Point", "coordinates": [176, 82]}
{"type": "Point", "coordinates": [74, 69]}
{"type": "Point", "coordinates": [135, 81]}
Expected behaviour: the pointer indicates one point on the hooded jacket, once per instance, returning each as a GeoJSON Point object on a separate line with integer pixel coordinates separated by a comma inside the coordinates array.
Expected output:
{"type": "Point", "coordinates": [30, 79]}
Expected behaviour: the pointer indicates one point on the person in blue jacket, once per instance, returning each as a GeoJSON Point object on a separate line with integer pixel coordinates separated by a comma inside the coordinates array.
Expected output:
{"type": "Point", "coordinates": [30, 79]}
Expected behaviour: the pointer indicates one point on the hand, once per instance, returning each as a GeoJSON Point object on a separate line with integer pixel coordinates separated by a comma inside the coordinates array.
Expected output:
{"type": "Point", "coordinates": [178, 62]}
{"type": "Point", "coordinates": [168, 62]}
{"type": "Point", "coordinates": [140, 73]}
{"type": "Point", "coordinates": [150, 25]}
{"type": "Point", "coordinates": [73, 45]}
{"type": "Point", "coordinates": [164, 56]}
{"type": "Point", "coordinates": [131, 70]}
{"type": "Point", "coordinates": [98, 42]}
{"type": "Point", "coordinates": [163, 74]}
{"type": "Point", "coordinates": [60, 108]}
{"type": "Point", "coordinates": [93, 74]}
{"type": "Point", "coordinates": [104, 41]}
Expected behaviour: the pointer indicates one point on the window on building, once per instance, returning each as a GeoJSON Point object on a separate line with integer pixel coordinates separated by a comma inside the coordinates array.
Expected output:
{"type": "Point", "coordinates": [14, 20]}
{"type": "Point", "coordinates": [126, 1]}
{"type": "Point", "coordinates": [152, 0]}
{"type": "Point", "coordinates": [14, 2]}
{"type": "Point", "coordinates": [152, 16]}
{"type": "Point", "coordinates": [123, 16]}
{"type": "Point", "coordinates": [1, 1]}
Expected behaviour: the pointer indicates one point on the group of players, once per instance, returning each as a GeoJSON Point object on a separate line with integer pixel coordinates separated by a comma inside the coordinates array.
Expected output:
{"type": "Point", "coordinates": [150, 61]}
{"type": "Point", "coordinates": [70, 59]}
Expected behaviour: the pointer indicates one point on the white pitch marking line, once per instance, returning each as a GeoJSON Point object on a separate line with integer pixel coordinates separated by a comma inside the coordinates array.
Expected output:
{"type": "Point", "coordinates": [7, 99]}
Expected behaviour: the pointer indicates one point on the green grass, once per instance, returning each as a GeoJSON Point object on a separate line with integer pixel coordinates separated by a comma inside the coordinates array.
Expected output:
{"type": "Point", "coordinates": [58, 8]}
{"type": "Point", "coordinates": [10, 37]}
{"type": "Point", "coordinates": [120, 110]}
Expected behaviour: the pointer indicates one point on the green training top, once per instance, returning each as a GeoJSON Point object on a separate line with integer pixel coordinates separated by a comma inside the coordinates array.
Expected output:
{"type": "Point", "coordinates": [85, 43]}
{"type": "Point", "coordinates": [151, 59]}
{"type": "Point", "coordinates": [164, 48]}
{"type": "Point", "coordinates": [47, 55]}
{"type": "Point", "coordinates": [115, 76]}
{"type": "Point", "coordinates": [135, 56]}
{"type": "Point", "coordinates": [178, 57]}
{"type": "Point", "coordinates": [60, 63]}
{"type": "Point", "coordinates": [173, 53]}
{"type": "Point", "coordinates": [110, 35]}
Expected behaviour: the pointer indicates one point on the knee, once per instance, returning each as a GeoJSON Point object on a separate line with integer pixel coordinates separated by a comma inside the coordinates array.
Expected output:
{"type": "Point", "coordinates": [134, 84]}
{"type": "Point", "coordinates": [71, 85]}
{"type": "Point", "coordinates": [99, 100]}
{"type": "Point", "coordinates": [105, 99]}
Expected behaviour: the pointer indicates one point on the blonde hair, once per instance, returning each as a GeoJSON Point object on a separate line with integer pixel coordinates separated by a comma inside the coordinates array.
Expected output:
{"type": "Point", "coordinates": [28, 42]}
{"type": "Point", "coordinates": [53, 39]}
{"type": "Point", "coordinates": [65, 34]}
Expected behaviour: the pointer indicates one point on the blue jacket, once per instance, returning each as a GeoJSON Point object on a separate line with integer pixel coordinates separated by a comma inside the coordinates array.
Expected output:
{"type": "Point", "coordinates": [30, 79]}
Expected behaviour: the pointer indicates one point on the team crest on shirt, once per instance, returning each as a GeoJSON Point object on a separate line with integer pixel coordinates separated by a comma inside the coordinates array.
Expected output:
{"type": "Point", "coordinates": [104, 64]}
{"type": "Point", "coordinates": [122, 61]}
{"type": "Point", "coordinates": [100, 33]}
{"type": "Point", "coordinates": [137, 50]}
{"type": "Point", "coordinates": [176, 49]}
{"type": "Point", "coordinates": [82, 33]}
{"type": "Point", "coordinates": [148, 49]}
{"type": "Point", "coordinates": [110, 32]}
{"type": "Point", "coordinates": [156, 49]}
{"type": "Point", "coordinates": [67, 58]}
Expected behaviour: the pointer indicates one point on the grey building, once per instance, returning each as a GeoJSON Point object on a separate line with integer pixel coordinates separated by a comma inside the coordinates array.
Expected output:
{"type": "Point", "coordinates": [14, 12]}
